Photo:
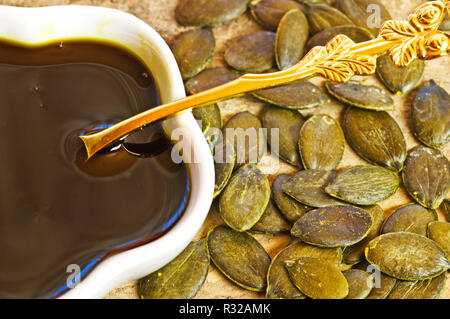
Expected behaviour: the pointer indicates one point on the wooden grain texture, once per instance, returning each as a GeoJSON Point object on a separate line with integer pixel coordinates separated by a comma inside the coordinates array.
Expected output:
{"type": "Point", "coordinates": [160, 15]}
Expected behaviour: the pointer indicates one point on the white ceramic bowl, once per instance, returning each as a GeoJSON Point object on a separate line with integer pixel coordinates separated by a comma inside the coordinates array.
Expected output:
{"type": "Point", "coordinates": [40, 25]}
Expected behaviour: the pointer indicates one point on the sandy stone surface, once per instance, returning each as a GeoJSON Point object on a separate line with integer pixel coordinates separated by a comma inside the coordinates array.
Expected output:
{"type": "Point", "coordinates": [160, 15]}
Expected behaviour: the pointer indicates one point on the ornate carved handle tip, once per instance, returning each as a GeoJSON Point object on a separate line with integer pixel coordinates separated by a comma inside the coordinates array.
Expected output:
{"type": "Point", "coordinates": [418, 36]}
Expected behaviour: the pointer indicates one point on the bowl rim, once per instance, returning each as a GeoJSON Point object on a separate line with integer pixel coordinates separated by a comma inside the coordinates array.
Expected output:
{"type": "Point", "coordinates": [37, 25]}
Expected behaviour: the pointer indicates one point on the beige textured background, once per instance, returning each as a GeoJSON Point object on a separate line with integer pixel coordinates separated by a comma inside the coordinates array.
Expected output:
{"type": "Point", "coordinates": [160, 15]}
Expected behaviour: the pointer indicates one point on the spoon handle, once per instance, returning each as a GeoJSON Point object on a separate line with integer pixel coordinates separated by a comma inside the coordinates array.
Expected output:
{"type": "Point", "coordinates": [338, 61]}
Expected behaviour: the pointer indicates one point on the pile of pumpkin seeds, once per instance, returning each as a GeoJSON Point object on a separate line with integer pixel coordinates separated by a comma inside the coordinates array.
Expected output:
{"type": "Point", "coordinates": [342, 245]}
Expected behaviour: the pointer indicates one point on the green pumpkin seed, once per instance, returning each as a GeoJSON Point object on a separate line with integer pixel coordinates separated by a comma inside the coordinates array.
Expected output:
{"type": "Point", "coordinates": [208, 12]}
{"type": "Point", "coordinates": [279, 285]}
{"type": "Point", "coordinates": [430, 115]}
{"type": "Point", "coordinates": [317, 279]}
{"type": "Point", "coordinates": [327, 2]}
{"type": "Point", "coordinates": [407, 256]}
{"type": "Point", "coordinates": [245, 198]}
{"type": "Point", "coordinates": [440, 233]}
{"type": "Point", "coordinates": [271, 221]}
{"type": "Point", "coordinates": [182, 278]}
{"type": "Point", "coordinates": [337, 226]}
{"type": "Point", "coordinates": [298, 96]}
{"type": "Point", "coordinates": [399, 80]}
{"type": "Point", "coordinates": [322, 17]}
{"type": "Point", "coordinates": [321, 143]}
{"type": "Point", "coordinates": [244, 132]}
{"type": "Point", "coordinates": [268, 13]}
{"type": "Point", "coordinates": [383, 284]}
{"type": "Point", "coordinates": [360, 95]}
{"type": "Point", "coordinates": [420, 289]}
{"type": "Point", "coordinates": [289, 207]}
{"type": "Point", "coordinates": [291, 37]}
{"type": "Point", "coordinates": [364, 185]}
{"type": "Point", "coordinates": [445, 25]}
{"type": "Point", "coordinates": [355, 253]}
{"type": "Point", "coordinates": [376, 137]}
{"type": "Point", "coordinates": [193, 51]}
{"type": "Point", "coordinates": [239, 256]}
{"type": "Point", "coordinates": [357, 34]}
{"type": "Point", "coordinates": [446, 207]}
{"type": "Point", "coordinates": [209, 116]}
{"type": "Point", "coordinates": [223, 167]}
{"type": "Point", "coordinates": [426, 176]}
{"type": "Point", "coordinates": [252, 53]}
{"type": "Point", "coordinates": [360, 283]}
{"type": "Point", "coordinates": [209, 78]}
{"type": "Point", "coordinates": [288, 124]}
{"type": "Point", "coordinates": [369, 14]}
{"type": "Point", "coordinates": [297, 248]}
{"type": "Point", "coordinates": [411, 218]}
{"type": "Point", "coordinates": [307, 187]}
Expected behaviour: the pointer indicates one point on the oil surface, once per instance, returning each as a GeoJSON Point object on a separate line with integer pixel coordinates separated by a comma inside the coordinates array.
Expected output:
{"type": "Point", "coordinates": [57, 211]}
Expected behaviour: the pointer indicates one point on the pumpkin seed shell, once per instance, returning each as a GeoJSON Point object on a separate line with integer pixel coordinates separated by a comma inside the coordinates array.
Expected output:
{"type": "Point", "coordinates": [440, 233]}
{"type": "Point", "coordinates": [252, 53]}
{"type": "Point", "coordinates": [245, 198]}
{"type": "Point", "coordinates": [209, 116]}
{"type": "Point", "coordinates": [376, 137]}
{"type": "Point", "coordinates": [317, 279]}
{"type": "Point", "coordinates": [268, 13]}
{"type": "Point", "coordinates": [420, 289]}
{"type": "Point", "coordinates": [223, 167]}
{"type": "Point", "coordinates": [430, 115]}
{"type": "Point", "coordinates": [321, 143]}
{"type": "Point", "coordinates": [182, 278]}
{"type": "Point", "coordinates": [209, 78]}
{"type": "Point", "coordinates": [426, 176]}
{"type": "Point", "coordinates": [407, 256]}
{"type": "Point", "coordinates": [360, 283]}
{"type": "Point", "coordinates": [291, 37]}
{"type": "Point", "coordinates": [288, 123]}
{"type": "Point", "coordinates": [361, 95]}
{"type": "Point", "coordinates": [307, 187]}
{"type": "Point", "coordinates": [289, 207]}
{"type": "Point", "coordinates": [298, 96]}
{"type": "Point", "coordinates": [383, 284]}
{"type": "Point", "coordinates": [361, 12]}
{"type": "Point", "coordinates": [322, 17]}
{"type": "Point", "coordinates": [271, 221]}
{"type": "Point", "coordinates": [364, 185]}
{"type": "Point", "coordinates": [446, 207]}
{"type": "Point", "coordinates": [239, 256]}
{"type": "Point", "coordinates": [357, 34]}
{"type": "Point", "coordinates": [327, 2]}
{"type": "Point", "coordinates": [355, 253]}
{"type": "Point", "coordinates": [399, 80]}
{"type": "Point", "coordinates": [411, 218]}
{"type": "Point", "coordinates": [279, 285]}
{"type": "Point", "coordinates": [333, 226]}
{"type": "Point", "coordinates": [193, 51]}
{"type": "Point", "coordinates": [236, 131]}
{"type": "Point", "coordinates": [445, 25]}
{"type": "Point", "coordinates": [208, 12]}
